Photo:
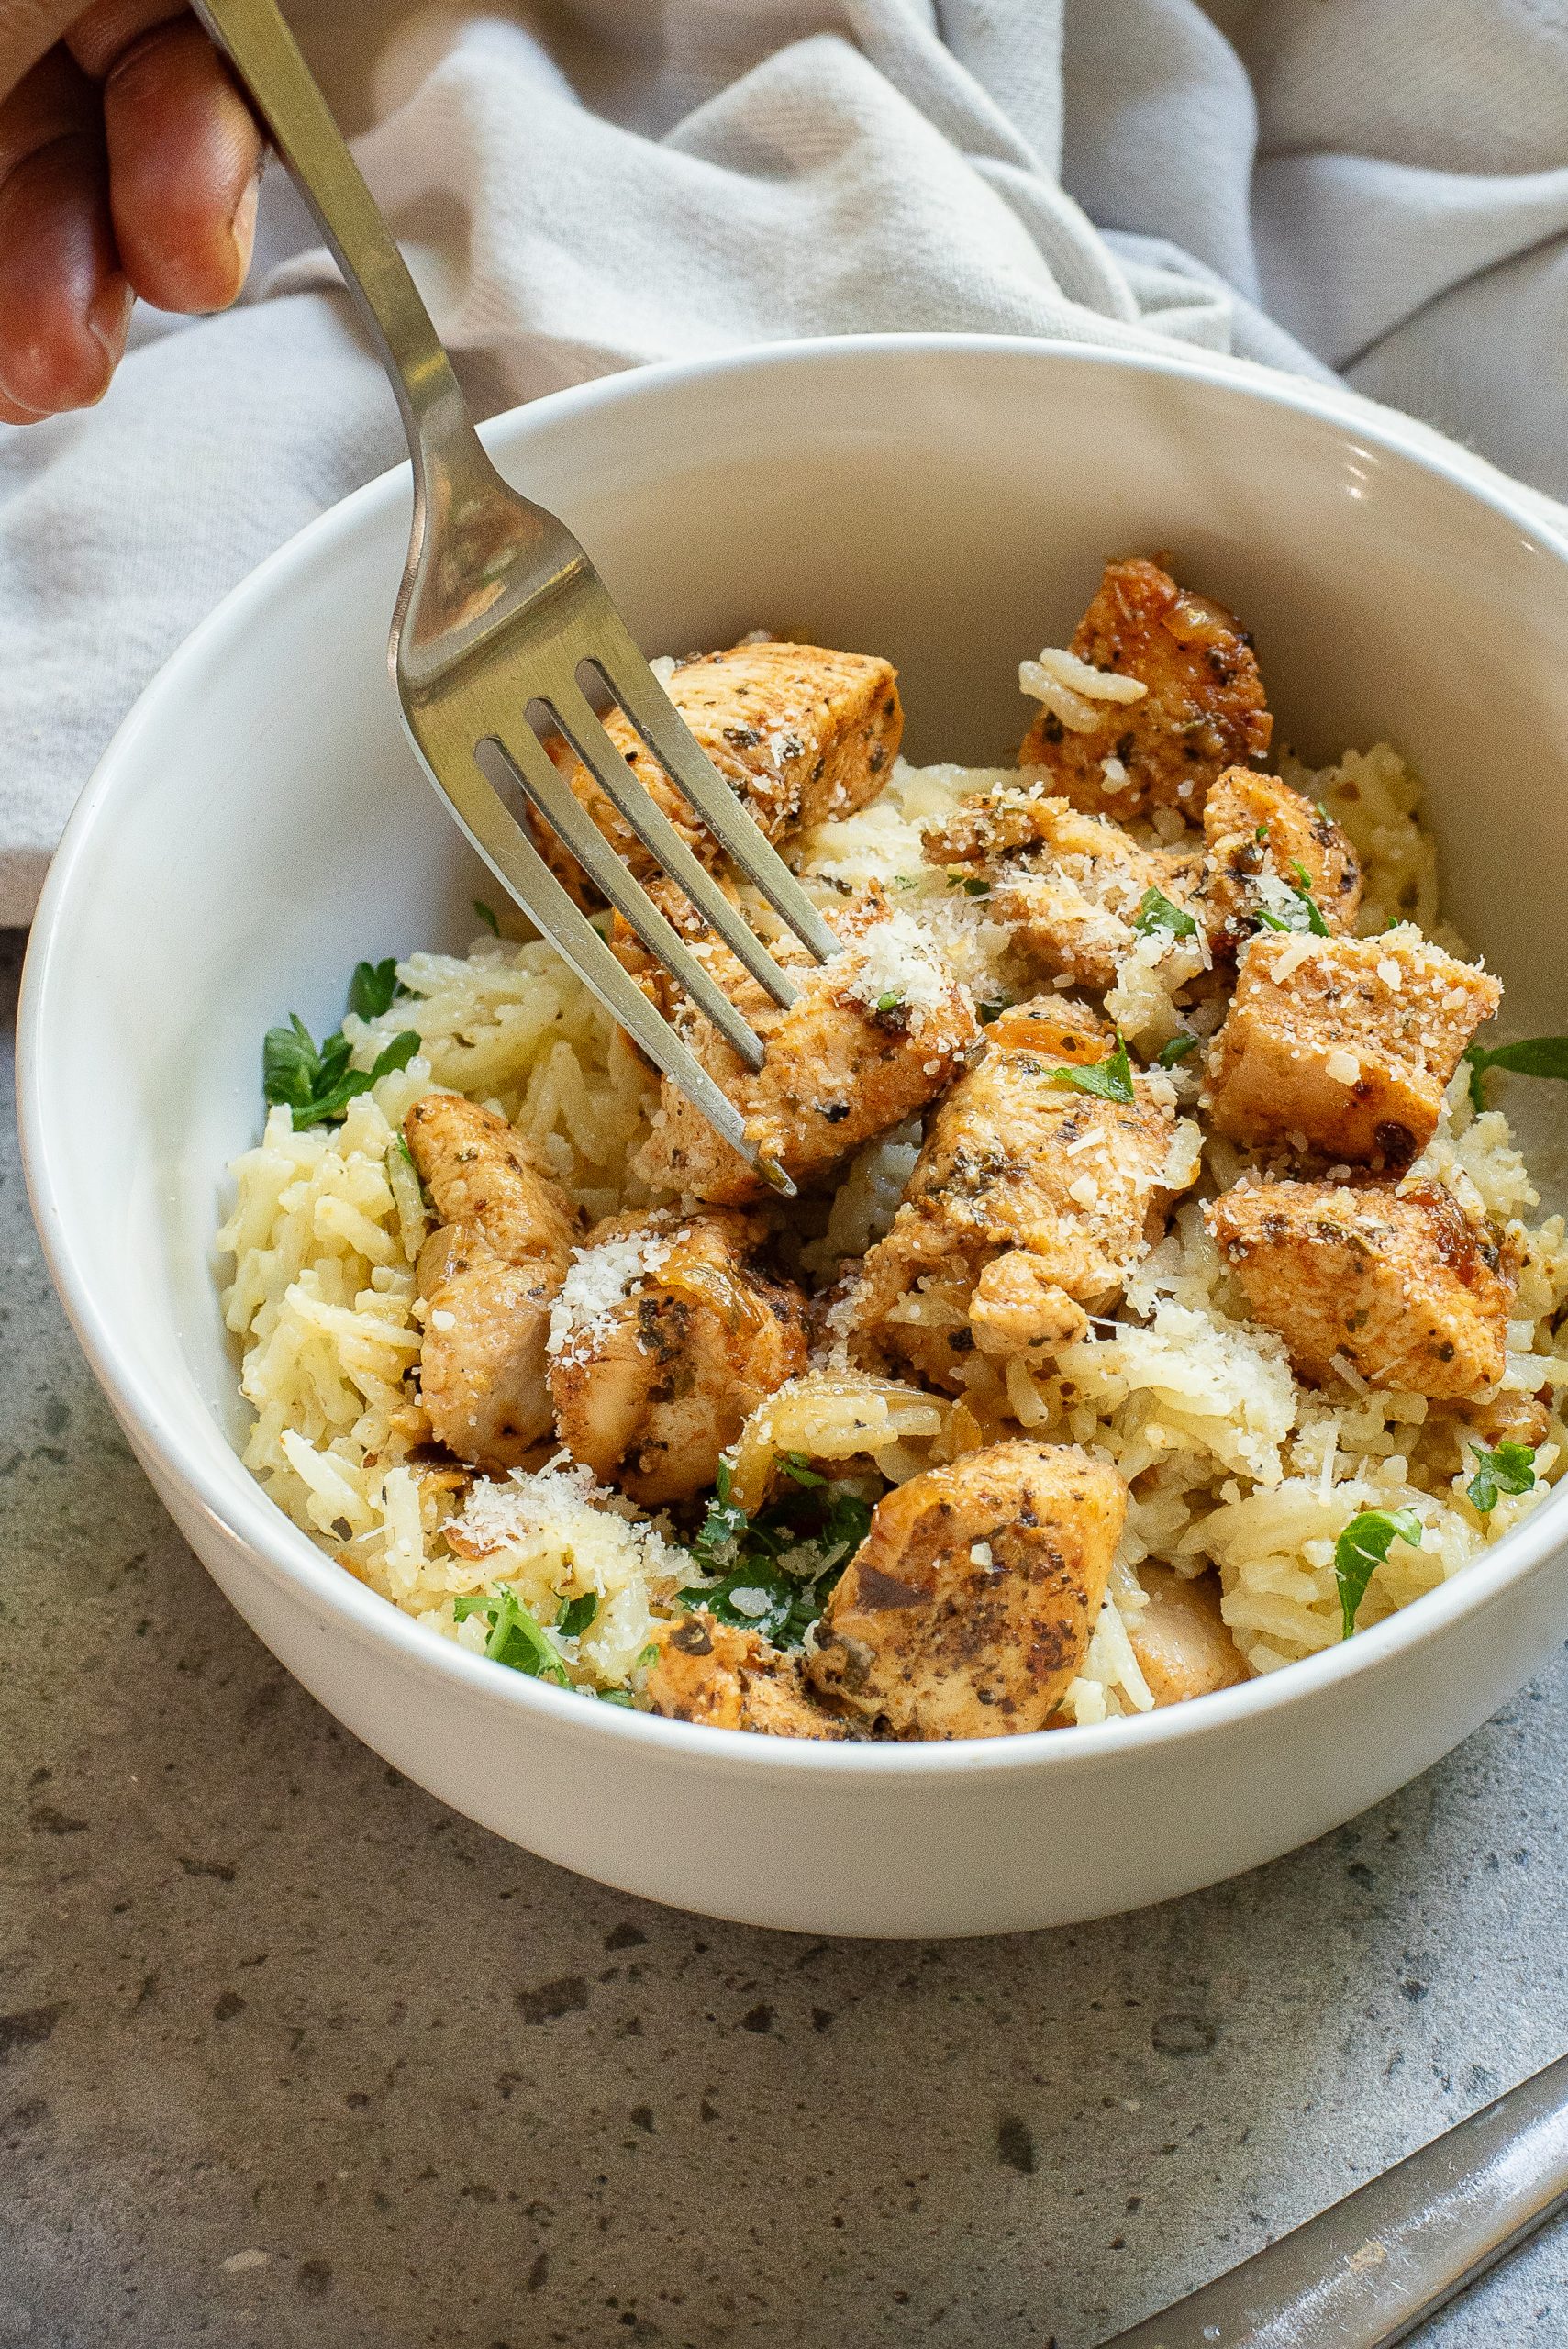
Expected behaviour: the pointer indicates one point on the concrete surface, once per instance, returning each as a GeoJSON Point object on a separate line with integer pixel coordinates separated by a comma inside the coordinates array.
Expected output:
{"type": "Point", "coordinates": [291, 2056]}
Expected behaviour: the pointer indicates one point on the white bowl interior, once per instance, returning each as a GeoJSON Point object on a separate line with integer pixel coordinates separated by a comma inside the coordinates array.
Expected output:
{"type": "Point", "coordinates": [261, 824]}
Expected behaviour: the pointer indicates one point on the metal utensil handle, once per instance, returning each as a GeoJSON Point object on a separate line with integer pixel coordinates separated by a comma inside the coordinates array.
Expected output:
{"type": "Point", "coordinates": [300, 125]}
{"type": "Point", "coordinates": [1365, 2272]}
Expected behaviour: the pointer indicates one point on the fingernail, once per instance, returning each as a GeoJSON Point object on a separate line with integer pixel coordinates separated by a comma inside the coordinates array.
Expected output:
{"type": "Point", "coordinates": [242, 228]}
{"type": "Point", "coordinates": [108, 322]}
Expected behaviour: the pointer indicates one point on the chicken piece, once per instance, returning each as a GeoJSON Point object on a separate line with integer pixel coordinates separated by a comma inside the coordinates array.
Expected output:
{"type": "Point", "coordinates": [1069, 887]}
{"type": "Point", "coordinates": [1015, 1161]}
{"type": "Point", "coordinates": [487, 1275]}
{"type": "Point", "coordinates": [1180, 1639]}
{"type": "Point", "coordinates": [1344, 1045]}
{"type": "Point", "coordinates": [798, 732]}
{"type": "Point", "coordinates": [968, 1607]}
{"type": "Point", "coordinates": [872, 1037]}
{"type": "Point", "coordinates": [1402, 1284]}
{"type": "Point", "coordinates": [726, 1679]}
{"type": "Point", "coordinates": [1204, 709]}
{"type": "Point", "coordinates": [1262, 844]}
{"type": "Point", "coordinates": [666, 1335]}
{"type": "Point", "coordinates": [1017, 1307]}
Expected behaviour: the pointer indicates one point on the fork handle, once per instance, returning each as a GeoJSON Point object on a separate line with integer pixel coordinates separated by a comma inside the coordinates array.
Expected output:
{"type": "Point", "coordinates": [442, 438]}
{"type": "Point", "coordinates": [1365, 2272]}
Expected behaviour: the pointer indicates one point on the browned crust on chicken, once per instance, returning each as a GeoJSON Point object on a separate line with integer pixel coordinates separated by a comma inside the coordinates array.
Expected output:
{"type": "Point", "coordinates": [486, 1275]}
{"type": "Point", "coordinates": [1344, 1045]}
{"type": "Point", "coordinates": [838, 1069]}
{"type": "Point", "coordinates": [1258, 832]}
{"type": "Point", "coordinates": [657, 1389]}
{"type": "Point", "coordinates": [1067, 885]}
{"type": "Point", "coordinates": [968, 1609]}
{"type": "Point", "coordinates": [800, 733]}
{"type": "Point", "coordinates": [1182, 1646]}
{"type": "Point", "coordinates": [1205, 709]}
{"type": "Point", "coordinates": [1402, 1284]}
{"type": "Point", "coordinates": [717, 1675]}
{"type": "Point", "coordinates": [1014, 1162]}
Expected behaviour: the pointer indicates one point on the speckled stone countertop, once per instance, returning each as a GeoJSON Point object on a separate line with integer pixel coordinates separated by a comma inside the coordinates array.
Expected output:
{"type": "Point", "coordinates": [291, 2056]}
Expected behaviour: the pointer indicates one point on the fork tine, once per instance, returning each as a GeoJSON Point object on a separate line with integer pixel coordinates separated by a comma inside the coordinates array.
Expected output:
{"type": "Point", "coordinates": [656, 718]}
{"type": "Point", "coordinates": [518, 865]}
{"type": "Point", "coordinates": [583, 728]}
{"type": "Point", "coordinates": [549, 791]}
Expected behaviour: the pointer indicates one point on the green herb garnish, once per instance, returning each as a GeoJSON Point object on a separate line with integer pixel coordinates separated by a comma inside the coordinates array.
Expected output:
{"type": "Point", "coordinates": [1262, 836]}
{"type": "Point", "coordinates": [1509, 1469]}
{"type": "Point", "coordinates": [576, 1614]}
{"type": "Point", "coordinates": [774, 1571]}
{"type": "Point", "coordinates": [970, 883]}
{"type": "Point", "coordinates": [796, 1466]}
{"type": "Point", "coordinates": [374, 988]}
{"type": "Point", "coordinates": [487, 915]}
{"type": "Point", "coordinates": [1304, 916]}
{"type": "Point", "coordinates": [888, 1002]}
{"type": "Point", "coordinates": [1361, 1549]}
{"type": "Point", "coordinates": [1532, 1056]}
{"type": "Point", "coordinates": [995, 1008]}
{"type": "Point", "coordinates": [1176, 1050]}
{"type": "Point", "coordinates": [517, 1639]}
{"type": "Point", "coordinates": [1110, 1079]}
{"type": "Point", "coordinates": [316, 1083]}
{"type": "Point", "coordinates": [1156, 911]}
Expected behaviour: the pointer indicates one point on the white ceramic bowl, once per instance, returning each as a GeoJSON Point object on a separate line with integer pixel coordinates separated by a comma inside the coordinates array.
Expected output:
{"type": "Point", "coordinates": [258, 825]}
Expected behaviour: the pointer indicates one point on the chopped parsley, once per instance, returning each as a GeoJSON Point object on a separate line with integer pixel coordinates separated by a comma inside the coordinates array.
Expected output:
{"type": "Point", "coordinates": [970, 883]}
{"type": "Point", "coordinates": [1509, 1469]}
{"type": "Point", "coordinates": [316, 1083]}
{"type": "Point", "coordinates": [1361, 1549]}
{"type": "Point", "coordinates": [487, 915]}
{"type": "Point", "coordinates": [1156, 911]}
{"type": "Point", "coordinates": [891, 1001]}
{"type": "Point", "coordinates": [995, 1008]}
{"type": "Point", "coordinates": [374, 988]}
{"type": "Point", "coordinates": [1176, 1050]}
{"type": "Point", "coordinates": [576, 1614]}
{"type": "Point", "coordinates": [773, 1572]}
{"type": "Point", "coordinates": [1303, 914]}
{"type": "Point", "coordinates": [516, 1639]}
{"type": "Point", "coordinates": [1532, 1056]}
{"type": "Point", "coordinates": [1110, 1079]}
{"type": "Point", "coordinates": [1262, 836]}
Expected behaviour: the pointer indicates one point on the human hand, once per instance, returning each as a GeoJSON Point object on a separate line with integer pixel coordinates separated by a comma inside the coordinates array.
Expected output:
{"type": "Point", "coordinates": [128, 165]}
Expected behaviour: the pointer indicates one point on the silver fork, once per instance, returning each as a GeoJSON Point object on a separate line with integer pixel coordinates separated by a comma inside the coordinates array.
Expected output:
{"type": "Point", "coordinates": [501, 618]}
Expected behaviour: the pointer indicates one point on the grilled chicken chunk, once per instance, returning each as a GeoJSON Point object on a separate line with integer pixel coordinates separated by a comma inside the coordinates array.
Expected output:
{"type": "Point", "coordinates": [1265, 843]}
{"type": "Point", "coordinates": [1203, 710]}
{"type": "Point", "coordinates": [1016, 1162]}
{"type": "Point", "coordinates": [1069, 887]}
{"type": "Point", "coordinates": [487, 1275]}
{"type": "Point", "coordinates": [726, 1679]}
{"type": "Point", "coordinates": [1183, 1647]}
{"type": "Point", "coordinates": [1344, 1045]}
{"type": "Point", "coordinates": [1403, 1286]}
{"type": "Point", "coordinates": [872, 1036]}
{"type": "Point", "coordinates": [798, 732]}
{"type": "Point", "coordinates": [969, 1606]}
{"type": "Point", "coordinates": [666, 1335]}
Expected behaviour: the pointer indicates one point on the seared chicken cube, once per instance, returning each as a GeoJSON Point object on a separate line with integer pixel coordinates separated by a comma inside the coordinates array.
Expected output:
{"type": "Point", "coordinates": [726, 1679]}
{"type": "Point", "coordinates": [872, 1036]}
{"type": "Point", "coordinates": [1344, 1045]}
{"type": "Point", "coordinates": [1017, 1307]}
{"type": "Point", "coordinates": [1203, 709]}
{"type": "Point", "coordinates": [1070, 887]}
{"type": "Point", "coordinates": [1180, 1639]}
{"type": "Point", "coordinates": [798, 732]}
{"type": "Point", "coordinates": [969, 1606]}
{"type": "Point", "coordinates": [666, 1334]}
{"type": "Point", "coordinates": [1265, 844]}
{"type": "Point", "coordinates": [1403, 1286]}
{"type": "Point", "coordinates": [1015, 1160]}
{"type": "Point", "coordinates": [486, 1275]}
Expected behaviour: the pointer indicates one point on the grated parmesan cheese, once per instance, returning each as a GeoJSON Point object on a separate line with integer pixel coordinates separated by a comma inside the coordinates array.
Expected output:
{"type": "Point", "coordinates": [599, 1281]}
{"type": "Point", "coordinates": [899, 958]}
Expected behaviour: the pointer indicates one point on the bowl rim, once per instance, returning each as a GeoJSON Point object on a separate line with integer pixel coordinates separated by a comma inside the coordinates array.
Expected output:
{"type": "Point", "coordinates": [236, 1503]}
